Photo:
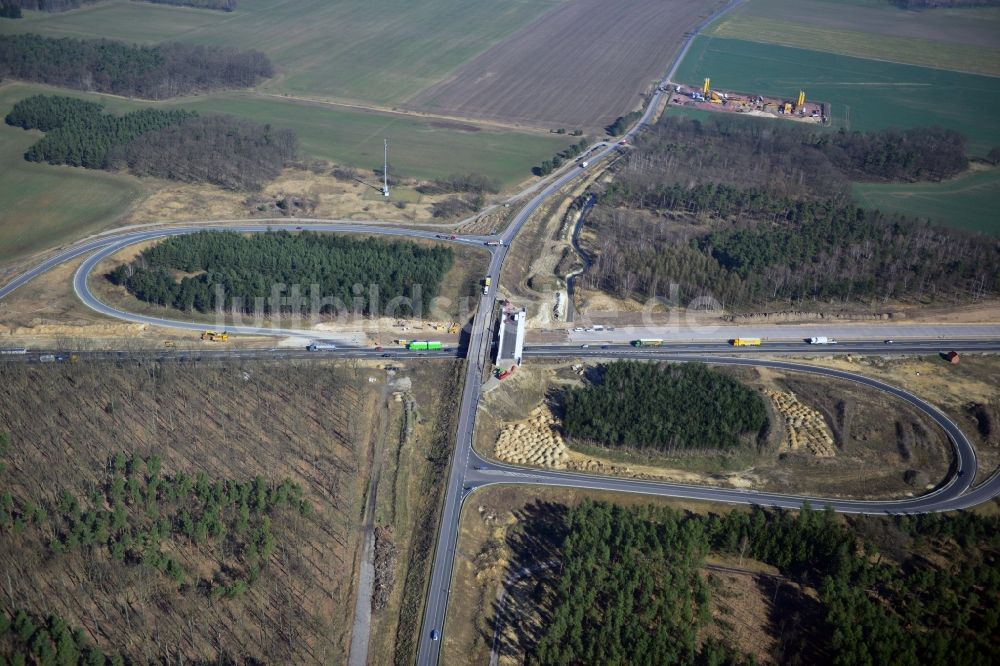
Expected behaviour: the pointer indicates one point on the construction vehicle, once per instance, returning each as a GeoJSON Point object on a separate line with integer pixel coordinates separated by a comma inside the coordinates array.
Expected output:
{"type": "Point", "coordinates": [320, 346]}
{"type": "Point", "coordinates": [647, 342]}
{"type": "Point", "coordinates": [715, 98]}
{"type": "Point", "coordinates": [801, 101]}
{"type": "Point", "coordinates": [746, 342]}
{"type": "Point", "coordinates": [169, 343]}
{"type": "Point", "coordinates": [704, 88]}
{"type": "Point", "coordinates": [502, 375]}
{"type": "Point", "coordinates": [454, 328]}
{"type": "Point", "coordinates": [787, 108]}
{"type": "Point", "coordinates": [213, 336]}
{"type": "Point", "coordinates": [421, 345]}
{"type": "Point", "coordinates": [822, 340]}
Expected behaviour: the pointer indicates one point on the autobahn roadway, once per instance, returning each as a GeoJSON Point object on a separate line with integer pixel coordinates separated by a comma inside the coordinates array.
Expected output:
{"type": "Point", "coordinates": [468, 471]}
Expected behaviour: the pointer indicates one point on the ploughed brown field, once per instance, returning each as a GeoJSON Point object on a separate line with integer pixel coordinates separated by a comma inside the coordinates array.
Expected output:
{"type": "Point", "coordinates": [581, 65]}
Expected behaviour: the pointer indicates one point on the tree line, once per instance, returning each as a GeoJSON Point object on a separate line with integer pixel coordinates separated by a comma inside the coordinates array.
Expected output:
{"type": "Point", "coordinates": [149, 72]}
{"type": "Point", "coordinates": [175, 144]}
{"type": "Point", "coordinates": [10, 11]}
{"type": "Point", "coordinates": [396, 277]}
{"type": "Point", "coordinates": [49, 5]}
{"type": "Point", "coordinates": [666, 408]}
{"type": "Point", "coordinates": [903, 590]}
{"type": "Point", "coordinates": [548, 166]}
{"type": "Point", "coordinates": [221, 5]}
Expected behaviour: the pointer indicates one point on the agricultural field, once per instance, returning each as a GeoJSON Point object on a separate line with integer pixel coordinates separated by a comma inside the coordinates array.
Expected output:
{"type": "Point", "coordinates": [598, 58]}
{"type": "Point", "coordinates": [420, 147]}
{"type": "Point", "coordinates": [966, 40]}
{"type": "Point", "coordinates": [969, 201]}
{"type": "Point", "coordinates": [378, 52]}
{"type": "Point", "coordinates": [39, 202]}
{"type": "Point", "coordinates": [862, 94]}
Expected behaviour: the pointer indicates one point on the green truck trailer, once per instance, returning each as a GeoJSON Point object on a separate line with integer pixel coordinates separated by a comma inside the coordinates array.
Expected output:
{"type": "Point", "coordinates": [423, 345]}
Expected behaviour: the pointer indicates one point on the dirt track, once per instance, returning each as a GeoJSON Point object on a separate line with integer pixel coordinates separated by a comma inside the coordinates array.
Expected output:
{"type": "Point", "coordinates": [581, 65]}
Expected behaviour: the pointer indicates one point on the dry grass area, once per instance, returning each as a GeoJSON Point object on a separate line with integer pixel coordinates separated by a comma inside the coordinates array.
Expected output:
{"type": "Point", "coordinates": [968, 392]}
{"type": "Point", "coordinates": [829, 438]}
{"type": "Point", "coordinates": [309, 422]}
{"type": "Point", "coordinates": [484, 555]}
{"type": "Point", "coordinates": [333, 199]}
{"type": "Point", "coordinates": [580, 66]}
{"type": "Point", "coordinates": [409, 495]}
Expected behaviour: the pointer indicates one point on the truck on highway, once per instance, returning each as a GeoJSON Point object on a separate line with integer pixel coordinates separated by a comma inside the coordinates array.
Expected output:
{"type": "Point", "coordinates": [320, 346]}
{"type": "Point", "coordinates": [420, 345]}
{"type": "Point", "coordinates": [746, 342]}
{"type": "Point", "coordinates": [822, 340]}
{"type": "Point", "coordinates": [584, 164]}
{"type": "Point", "coordinates": [486, 285]}
{"type": "Point", "coordinates": [647, 342]}
{"type": "Point", "coordinates": [47, 358]}
{"type": "Point", "coordinates": [494, 243]}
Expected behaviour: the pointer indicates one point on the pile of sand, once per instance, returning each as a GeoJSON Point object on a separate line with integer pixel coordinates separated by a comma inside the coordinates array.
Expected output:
{"type": "Point", "coordinates": [534, 441]}
{"type": "Point", "coordinates": [806, 427]}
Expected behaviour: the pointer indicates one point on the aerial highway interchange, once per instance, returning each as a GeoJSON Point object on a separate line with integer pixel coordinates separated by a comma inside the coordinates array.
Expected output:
{"type": "Point", "coordinates": [468, 470]}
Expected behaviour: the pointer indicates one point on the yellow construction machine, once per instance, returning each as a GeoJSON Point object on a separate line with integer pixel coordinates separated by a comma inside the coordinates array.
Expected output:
{"type": "Point", "coordinates": [213, 336]}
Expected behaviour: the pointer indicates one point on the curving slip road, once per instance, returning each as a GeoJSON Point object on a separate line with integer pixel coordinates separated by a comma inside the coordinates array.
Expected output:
{"type": "Point", "coordinates": [468, 471]}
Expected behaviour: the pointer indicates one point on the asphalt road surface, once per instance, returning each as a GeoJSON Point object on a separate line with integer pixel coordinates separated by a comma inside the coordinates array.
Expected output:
{"type": "Point", "coordinates": [468, 471]}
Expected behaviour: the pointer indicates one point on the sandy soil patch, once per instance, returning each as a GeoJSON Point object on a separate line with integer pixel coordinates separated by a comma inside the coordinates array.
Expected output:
{"type": "Point", "coordinates": [332, 198]}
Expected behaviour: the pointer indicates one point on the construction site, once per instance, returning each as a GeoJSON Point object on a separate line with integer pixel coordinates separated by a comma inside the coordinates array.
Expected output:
{"type": "Point", "coordinates": [707, 98]}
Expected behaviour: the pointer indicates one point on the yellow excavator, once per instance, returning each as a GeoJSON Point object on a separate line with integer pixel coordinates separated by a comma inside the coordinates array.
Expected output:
{"type": "Point", "coordinates": [213, 336]}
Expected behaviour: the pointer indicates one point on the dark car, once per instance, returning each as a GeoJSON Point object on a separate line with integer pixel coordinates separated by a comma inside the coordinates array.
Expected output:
{"type": "Point", "coordinates": [435, 635]}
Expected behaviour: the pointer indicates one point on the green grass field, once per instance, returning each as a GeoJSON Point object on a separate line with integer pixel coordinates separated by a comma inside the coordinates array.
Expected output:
{"type": "Point", "coordinates": [970, 202]}
{"type": "Point", "coordinates": [910, 50]}
{"type": "Point", "coordinates": [862, 94]}
{"type": "Point", "coordinates": [377, 51]}
{"type": "Point", "coordinates": [41, 205]}
{"type": "Point", "coordinates": [975, 26]}
{"type": "Point", "coordinates": [418, 147]}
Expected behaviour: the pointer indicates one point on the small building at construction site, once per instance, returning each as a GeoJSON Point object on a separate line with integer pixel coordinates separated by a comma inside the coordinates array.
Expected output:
{"type": "Point", "coordinates": [510, 335]}
{"type": "Point", "coordinates": [707, 98]}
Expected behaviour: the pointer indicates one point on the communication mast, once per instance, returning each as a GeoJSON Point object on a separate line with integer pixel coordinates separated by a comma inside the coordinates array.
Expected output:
{"type": "Point", "coordinates": [385, 170]}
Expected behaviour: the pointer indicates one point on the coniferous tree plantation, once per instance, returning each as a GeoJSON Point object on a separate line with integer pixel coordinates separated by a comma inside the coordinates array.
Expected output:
{"type": "Point", "coordinates": [753, 213]}
{"type": "Point", "coordinates": [404, 276]}
{"type": "Point", "coordinates": [148, 72]}
{"type": "Point", "coordinates": [664, 407]}
{"type": "Point", "coordinates": [901, 590]}
{"type": "Point", "coordinates": [176, 144]}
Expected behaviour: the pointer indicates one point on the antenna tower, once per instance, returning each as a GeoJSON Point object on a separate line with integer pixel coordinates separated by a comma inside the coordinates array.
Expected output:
{"type": "Point", "coordinates": [385, 170]}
